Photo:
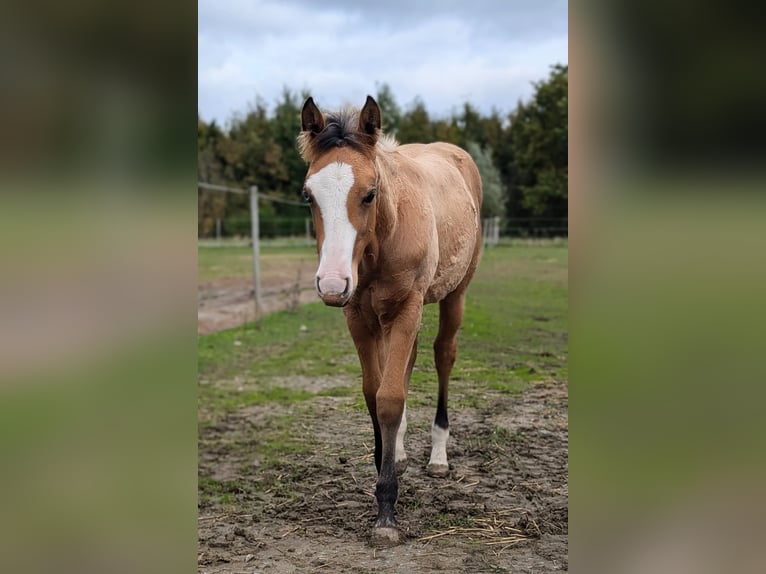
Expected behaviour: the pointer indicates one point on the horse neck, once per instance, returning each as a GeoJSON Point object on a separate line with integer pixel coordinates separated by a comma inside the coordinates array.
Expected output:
{"type": "Point", "coordinates": [388, 196]}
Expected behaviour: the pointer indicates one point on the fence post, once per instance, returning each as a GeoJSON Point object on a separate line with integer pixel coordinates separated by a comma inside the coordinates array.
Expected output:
{"type": "Point", "coordinates": [491, 231]}
{"type": "Point", "coordinates": [308, 230]}
{"type": "Point", "coordinates": [218, 228]}
{"type": "Point", "coordinates": [256, 249]}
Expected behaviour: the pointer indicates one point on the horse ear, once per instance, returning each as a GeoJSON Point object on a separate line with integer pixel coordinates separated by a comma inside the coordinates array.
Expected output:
{"type": "Point", "coordinates": [312, 119]}
{"type": "Point", "coordinates": [369, 117]}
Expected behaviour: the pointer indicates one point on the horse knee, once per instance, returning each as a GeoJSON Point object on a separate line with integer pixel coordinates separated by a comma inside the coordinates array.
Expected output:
{"type": "Point", "coordinates": [445, 351]}
{"type": "Point", "coordinates": [369, 399]}
{"type": "Point", "coordinates": [390, 407]}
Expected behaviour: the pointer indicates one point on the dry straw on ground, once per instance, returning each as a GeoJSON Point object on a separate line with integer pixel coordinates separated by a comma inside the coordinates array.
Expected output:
{"type": "Point", "coordinates": [495, 530]}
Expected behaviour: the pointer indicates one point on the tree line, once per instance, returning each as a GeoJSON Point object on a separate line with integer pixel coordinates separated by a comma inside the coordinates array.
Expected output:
{"type": "Point", "coordinates": [522, 155]}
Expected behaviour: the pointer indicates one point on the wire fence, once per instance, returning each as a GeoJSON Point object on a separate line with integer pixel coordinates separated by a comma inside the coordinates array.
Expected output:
{"type": "Point", "coordinates": [275, 226]}
{"type": "Point", "coordinates": [534, 227]}
{"type": "Point", "coordinates": [270, 226]}
{"type": "Point", "coordinates": [250, 222]}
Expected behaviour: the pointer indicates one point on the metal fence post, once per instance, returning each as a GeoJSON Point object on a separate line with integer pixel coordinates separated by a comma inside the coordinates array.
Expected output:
{"type": "Point", "coordinates": [256, 249]}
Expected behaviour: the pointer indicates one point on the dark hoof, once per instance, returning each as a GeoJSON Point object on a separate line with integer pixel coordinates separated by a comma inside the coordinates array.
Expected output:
{"type": "Point", "coordinates": [437, 470]}
{"type": "Point", "coordinates": [401, 466]}
{"type": "Point", "coordinates": [385, 536]}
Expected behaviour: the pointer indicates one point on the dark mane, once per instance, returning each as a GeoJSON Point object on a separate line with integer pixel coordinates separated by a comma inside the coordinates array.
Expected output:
{"type": "Point", "coordinates": [341, 129]}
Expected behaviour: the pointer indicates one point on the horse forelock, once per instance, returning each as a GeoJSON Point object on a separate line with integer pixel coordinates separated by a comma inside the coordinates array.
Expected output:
{"type": "Point", "coordinates": [342, 130]}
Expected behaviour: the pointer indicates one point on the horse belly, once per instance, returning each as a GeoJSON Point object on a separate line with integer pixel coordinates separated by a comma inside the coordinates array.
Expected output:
{"type": "Point", "coordinates": [451, 270]}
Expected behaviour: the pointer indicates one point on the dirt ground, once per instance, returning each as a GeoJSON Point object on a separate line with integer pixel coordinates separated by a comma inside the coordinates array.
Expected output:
{"type": "Point", "coordinates": [503, 508]}
{"type": "Point", "coordinates": [227, 303]}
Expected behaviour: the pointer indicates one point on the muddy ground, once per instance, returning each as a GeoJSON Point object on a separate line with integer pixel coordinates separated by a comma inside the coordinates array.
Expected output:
{"type": "Point", "coordinates": [309, 506]}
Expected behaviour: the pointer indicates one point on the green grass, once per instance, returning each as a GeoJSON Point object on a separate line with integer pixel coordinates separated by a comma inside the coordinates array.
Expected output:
{"type": "Point", "coordinates": [279, 347]}
{"type": "Point", "coordinates": [230, 261]}
{"type": "Point", "coordinates": [514, 332]}
{"type": "Point", "coordinates": [338, 392]}
{"type": "Point", "coordinates": [224, 397]}
{"type": "Point", "coordinates": [221, 492]}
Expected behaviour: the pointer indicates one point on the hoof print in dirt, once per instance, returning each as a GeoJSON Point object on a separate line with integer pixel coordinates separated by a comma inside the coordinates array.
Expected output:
{"type": "Point", "coordinates": [385, 536]}
{"type": "Point", "coordinates": [437, 470]}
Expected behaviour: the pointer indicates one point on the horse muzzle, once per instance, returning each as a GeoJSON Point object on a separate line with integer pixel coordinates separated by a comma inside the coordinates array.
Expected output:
{"type": "Point", "coordinates": [334, 290]}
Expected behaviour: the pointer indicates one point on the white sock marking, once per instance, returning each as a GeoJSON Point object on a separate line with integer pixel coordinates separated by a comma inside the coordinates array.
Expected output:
{"type": "Point", "coordinates": [439, 438]}
{"type": "Point", "coordinates": [400, 452]}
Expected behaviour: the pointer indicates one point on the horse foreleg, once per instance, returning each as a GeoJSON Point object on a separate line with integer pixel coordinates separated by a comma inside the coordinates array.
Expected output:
{"type": "Point", "coordinates": [390, 399]}
{"type": "Point", "coordinates": [445, 351]}
{"type": "Point", "coordinates": [369, 347]}
{"type": "Point", "coordinates": [400, 458]}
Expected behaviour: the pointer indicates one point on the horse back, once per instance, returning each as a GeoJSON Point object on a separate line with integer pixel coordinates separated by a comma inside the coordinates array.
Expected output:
{"type": "Point", "coordinates": [451, 191]}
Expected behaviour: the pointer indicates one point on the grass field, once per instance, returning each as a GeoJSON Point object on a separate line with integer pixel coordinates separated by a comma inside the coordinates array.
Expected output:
{"type": "Point", "coordinates": [232, 261]}
{"type": "Point", "coordinates": [514, 331]}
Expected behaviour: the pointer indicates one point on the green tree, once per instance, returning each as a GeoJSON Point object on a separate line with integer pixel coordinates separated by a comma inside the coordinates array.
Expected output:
{"type": "Point", "coordinates": [522, 157]}
{"type": "Point", "coordinates": [286, 124]}
{"type": "Point", "coordinates": [389, 109]}
{"type": "Point", "coordinates": [470, 126]}
{"type": "Point", "coordinates": [211, 205]}
{"type": "Point", "coordinates": [539, 136]}
{"type": "Point", "coordinates": [503, 159]}
{"type": "Point", "coordinates": [445, 131]}
{"type": "Point", "coordinates": [492, 132]}
{"type": "Point", "coordinates": [253, 155]}
{"type": "Point", "coordinates": [209, 162]}
{"type": "Point", "coordinates": [492, 187]}
{"type": "Point", "coordinates": [415, 125]}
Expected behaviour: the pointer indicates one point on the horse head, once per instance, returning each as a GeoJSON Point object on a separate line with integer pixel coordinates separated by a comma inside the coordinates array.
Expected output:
{"type": "Point", "coordinates": [341, 187]}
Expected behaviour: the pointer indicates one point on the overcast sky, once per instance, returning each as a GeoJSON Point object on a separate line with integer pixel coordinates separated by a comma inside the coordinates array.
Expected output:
{"type": "Point", "coordinates": [445, 51]}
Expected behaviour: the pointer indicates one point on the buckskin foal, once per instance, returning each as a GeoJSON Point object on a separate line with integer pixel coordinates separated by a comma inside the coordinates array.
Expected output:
{"type": "Point", "coordinates": [397, 226]}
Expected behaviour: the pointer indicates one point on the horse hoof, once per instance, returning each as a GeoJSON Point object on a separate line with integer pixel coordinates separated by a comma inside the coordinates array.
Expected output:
{"type": "Point", "coordinates": [401, 466]}
{"type": "Point", "coordinates": [385, 536]}
{"type": "Point", "coordinates": [437, 470]}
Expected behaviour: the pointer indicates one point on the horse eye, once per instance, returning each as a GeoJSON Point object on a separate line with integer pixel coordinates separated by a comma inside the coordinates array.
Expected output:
{"type": "Point", "coordinates": [369, 197]}
{"type": "Point", "coordinates": [306, 197]}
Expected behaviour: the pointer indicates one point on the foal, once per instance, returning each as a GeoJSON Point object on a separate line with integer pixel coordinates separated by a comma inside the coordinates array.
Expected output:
{"type": "Point", "coordinates": [397, 226]}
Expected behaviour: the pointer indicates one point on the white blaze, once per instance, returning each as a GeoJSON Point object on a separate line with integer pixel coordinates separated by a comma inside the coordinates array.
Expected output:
{"type": "Point", "coordinates": [330, 187]}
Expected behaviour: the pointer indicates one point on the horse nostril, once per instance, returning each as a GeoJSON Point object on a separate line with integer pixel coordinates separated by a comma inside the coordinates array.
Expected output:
{"type": "Point", "coordinates": [319, 290]}
{"type": "Point", "coordinates": [345, 291]}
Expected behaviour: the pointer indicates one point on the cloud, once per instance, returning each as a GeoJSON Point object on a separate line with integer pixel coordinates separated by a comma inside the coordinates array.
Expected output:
{"type": "Point", "coordinates": [443, 52]}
